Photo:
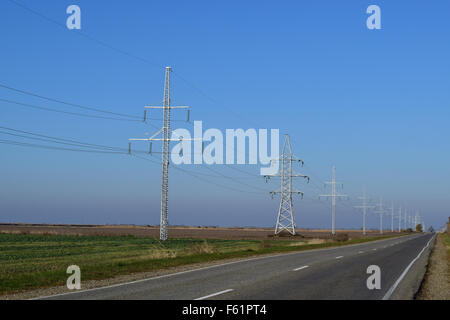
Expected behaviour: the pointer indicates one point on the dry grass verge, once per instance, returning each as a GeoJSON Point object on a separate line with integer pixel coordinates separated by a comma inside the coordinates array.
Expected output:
{"type": "Point", "coordinates": [436, 284]}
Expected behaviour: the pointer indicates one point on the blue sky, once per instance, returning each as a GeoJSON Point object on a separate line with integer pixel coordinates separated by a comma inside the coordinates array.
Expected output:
{"type": "Point", "coordinates": [372, 102]}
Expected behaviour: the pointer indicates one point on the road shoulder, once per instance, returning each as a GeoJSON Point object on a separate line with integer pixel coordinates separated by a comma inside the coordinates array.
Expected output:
{"type": "Point", "coordinates": [410, 284]}
{"type": "Point", "coordinates": [436, 284]}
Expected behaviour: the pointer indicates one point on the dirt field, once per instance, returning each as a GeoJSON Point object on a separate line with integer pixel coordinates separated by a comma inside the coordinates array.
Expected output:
{"type": "Point", "coordinates": [175, 232]}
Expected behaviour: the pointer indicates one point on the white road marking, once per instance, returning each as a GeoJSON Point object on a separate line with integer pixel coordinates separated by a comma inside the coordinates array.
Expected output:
{"type": "Point", "coordinates": [394, 286]}
{"type": "Point", "coordinates": [214, 294]}
{"type": "Point", "coordinates": [304, 267]}
{"type": "Point", "coordinates": [361, 252]}
{"type": "Point", "coordinates": [206, 268]}
{"type": "Point", "coordinates": [375, 249]}
{"type": "Point", "coordinates": [340, 257]}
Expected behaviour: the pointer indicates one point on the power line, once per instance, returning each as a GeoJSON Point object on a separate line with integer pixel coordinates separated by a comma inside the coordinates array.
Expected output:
{"type": "Point", "coordinates": [64, 112]}
{"type": "Point", "coordinates": [119, 151]}
{"type": "Point", "coordinates": [129, 54]}
{"type": "Point", "coordinates": [17, 143]}
{"type": "Point", "coordinates": [66, 103]}
{"type": "Point", "coordinates": [83, 34]}
{"type": "Point", "coordinates": [200, 177]}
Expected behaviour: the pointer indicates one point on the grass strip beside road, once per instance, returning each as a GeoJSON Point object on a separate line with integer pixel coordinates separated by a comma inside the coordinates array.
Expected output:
{"type": "Point", "coordinates": [37, 261]}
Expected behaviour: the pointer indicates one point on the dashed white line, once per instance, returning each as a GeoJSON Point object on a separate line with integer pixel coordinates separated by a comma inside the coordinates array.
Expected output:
{"type": "Point", "coordinates": [304, 267]}
{"type": "Point", "coordinates": [340, 257]}
{"type": "Point", "coordinates": [361, 252]}
{"type": "Point", "coordinates": [214, 294]}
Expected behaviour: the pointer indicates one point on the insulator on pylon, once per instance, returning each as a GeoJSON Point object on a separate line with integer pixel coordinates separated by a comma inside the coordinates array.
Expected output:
{"type": "Point", "coordinates": [188, 115]}
{"type": "Point", "coordinates": [129, 147]}
{"type": "Point", "coordinates": [150, 148]}
{"type": "Point", "coordinates": [145, 115]}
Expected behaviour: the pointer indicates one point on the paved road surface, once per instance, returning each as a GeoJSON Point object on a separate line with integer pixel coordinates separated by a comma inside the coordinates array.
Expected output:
{"type": "Point", "coordinates": [333, 273]}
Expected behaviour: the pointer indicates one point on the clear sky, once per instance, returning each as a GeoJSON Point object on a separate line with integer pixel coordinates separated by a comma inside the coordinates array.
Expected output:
{"type": "Point", "coordinates": [375, 103]}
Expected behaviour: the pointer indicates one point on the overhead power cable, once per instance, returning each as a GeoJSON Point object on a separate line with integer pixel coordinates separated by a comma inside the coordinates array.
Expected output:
{"type": "Point", "coordinates": [65, 112]}
{"type": "Point", "coordinates": [67, 103]}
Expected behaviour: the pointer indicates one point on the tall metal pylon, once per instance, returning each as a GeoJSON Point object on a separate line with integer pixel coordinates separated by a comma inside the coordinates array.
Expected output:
{"type": "Point", "coordinates": [165, 138]}
{"type": "Point", "coordinates": [400, 219]}
{"type": "Point", "coordinates": [333, 197]}
{"type": "Point", "coordinates": [364, 208]}
{"type": "Point", "coordinates": [381, 211]}
{"type": "Point", "coordinates": [285, 218]}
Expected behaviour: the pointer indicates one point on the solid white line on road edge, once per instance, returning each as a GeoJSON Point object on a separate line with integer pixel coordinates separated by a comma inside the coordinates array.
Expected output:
{"type": "Point", "coordinates": [340, 257]}
{"type": "Point", "coordinates": [208, 267]}
{"type": "Point", "coordinates": [214, 294]}
{"type": "Point", "coordinates": [394, 286]}
{"type": "Point", "coordinates": [304, 267]}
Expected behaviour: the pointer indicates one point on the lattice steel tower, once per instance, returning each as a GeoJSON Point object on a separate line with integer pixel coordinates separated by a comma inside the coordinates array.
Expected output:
{"type": "Point", "coordinates": [165, 159]}
{"type": "Point", "coordinates": [364, 208]}
{"type": "Point", "coordinates": [285, 218]}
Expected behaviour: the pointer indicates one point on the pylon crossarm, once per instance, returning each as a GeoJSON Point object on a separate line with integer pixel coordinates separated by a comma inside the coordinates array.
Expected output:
{"type": "Point", "coordinates": [298, 160]}
{"type": "Point", "coordinates": [167, 107]}
{"type": "Point", "coordinates": [299, 175]}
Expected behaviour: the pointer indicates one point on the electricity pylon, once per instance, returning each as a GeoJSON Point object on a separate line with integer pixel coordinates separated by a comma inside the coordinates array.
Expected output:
{"type": "Point", "coordinates": [405, 220]}
{"type": "Point", "coordinates": [364, 208]}
{"type": "Point", "coordinates": [165, 139]}
{"type": "Point", "coordinates": [285, 218]}
{"type": "Point", "coordinates": [381, 211]}
{"type": "Point", "coordinates": [417, 219]}
{"type": "Point", "coordinates": [333, 197]}
{"type": "Point", "coordinates": [392, 216]}
{"type": "Point", "coordinates": [400, 219]}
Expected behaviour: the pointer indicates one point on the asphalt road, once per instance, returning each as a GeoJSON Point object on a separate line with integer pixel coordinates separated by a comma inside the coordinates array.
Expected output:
{"type": "Point", "coordinates": [333, 273]}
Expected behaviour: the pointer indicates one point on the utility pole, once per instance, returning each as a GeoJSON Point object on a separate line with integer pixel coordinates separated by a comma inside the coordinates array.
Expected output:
{"type": "Point", "coordinates": [333, 197]}
{"type": "Point", "coordinates": [285, 218]}
{"type": "Point", "coordinates": [381, 211]}
{"type": "Point", "coordinates": [165, 139]}
{"type": "Point", "coordinates": [364, 208]}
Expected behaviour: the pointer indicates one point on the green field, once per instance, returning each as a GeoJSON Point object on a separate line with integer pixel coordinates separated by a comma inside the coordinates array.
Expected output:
{"type": "Point", "coordinates": [34, 261]}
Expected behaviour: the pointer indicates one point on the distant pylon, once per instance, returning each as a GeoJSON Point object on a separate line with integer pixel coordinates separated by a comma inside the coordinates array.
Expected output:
{"type": "Point", "coordinates": [405, 220]}
{"type": "Point", "coordinates": [400, 219]}
{"type": "Point", "coordinates": [285, 218]}
{"type": "Point", "coordinates": [364, 208]}
{"type": "Point", "coordinates": [333, 197]}
{"type": "Point", "coordinates": [392, 216]}
{"type": "Point", "coordinates": [381, 211]}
